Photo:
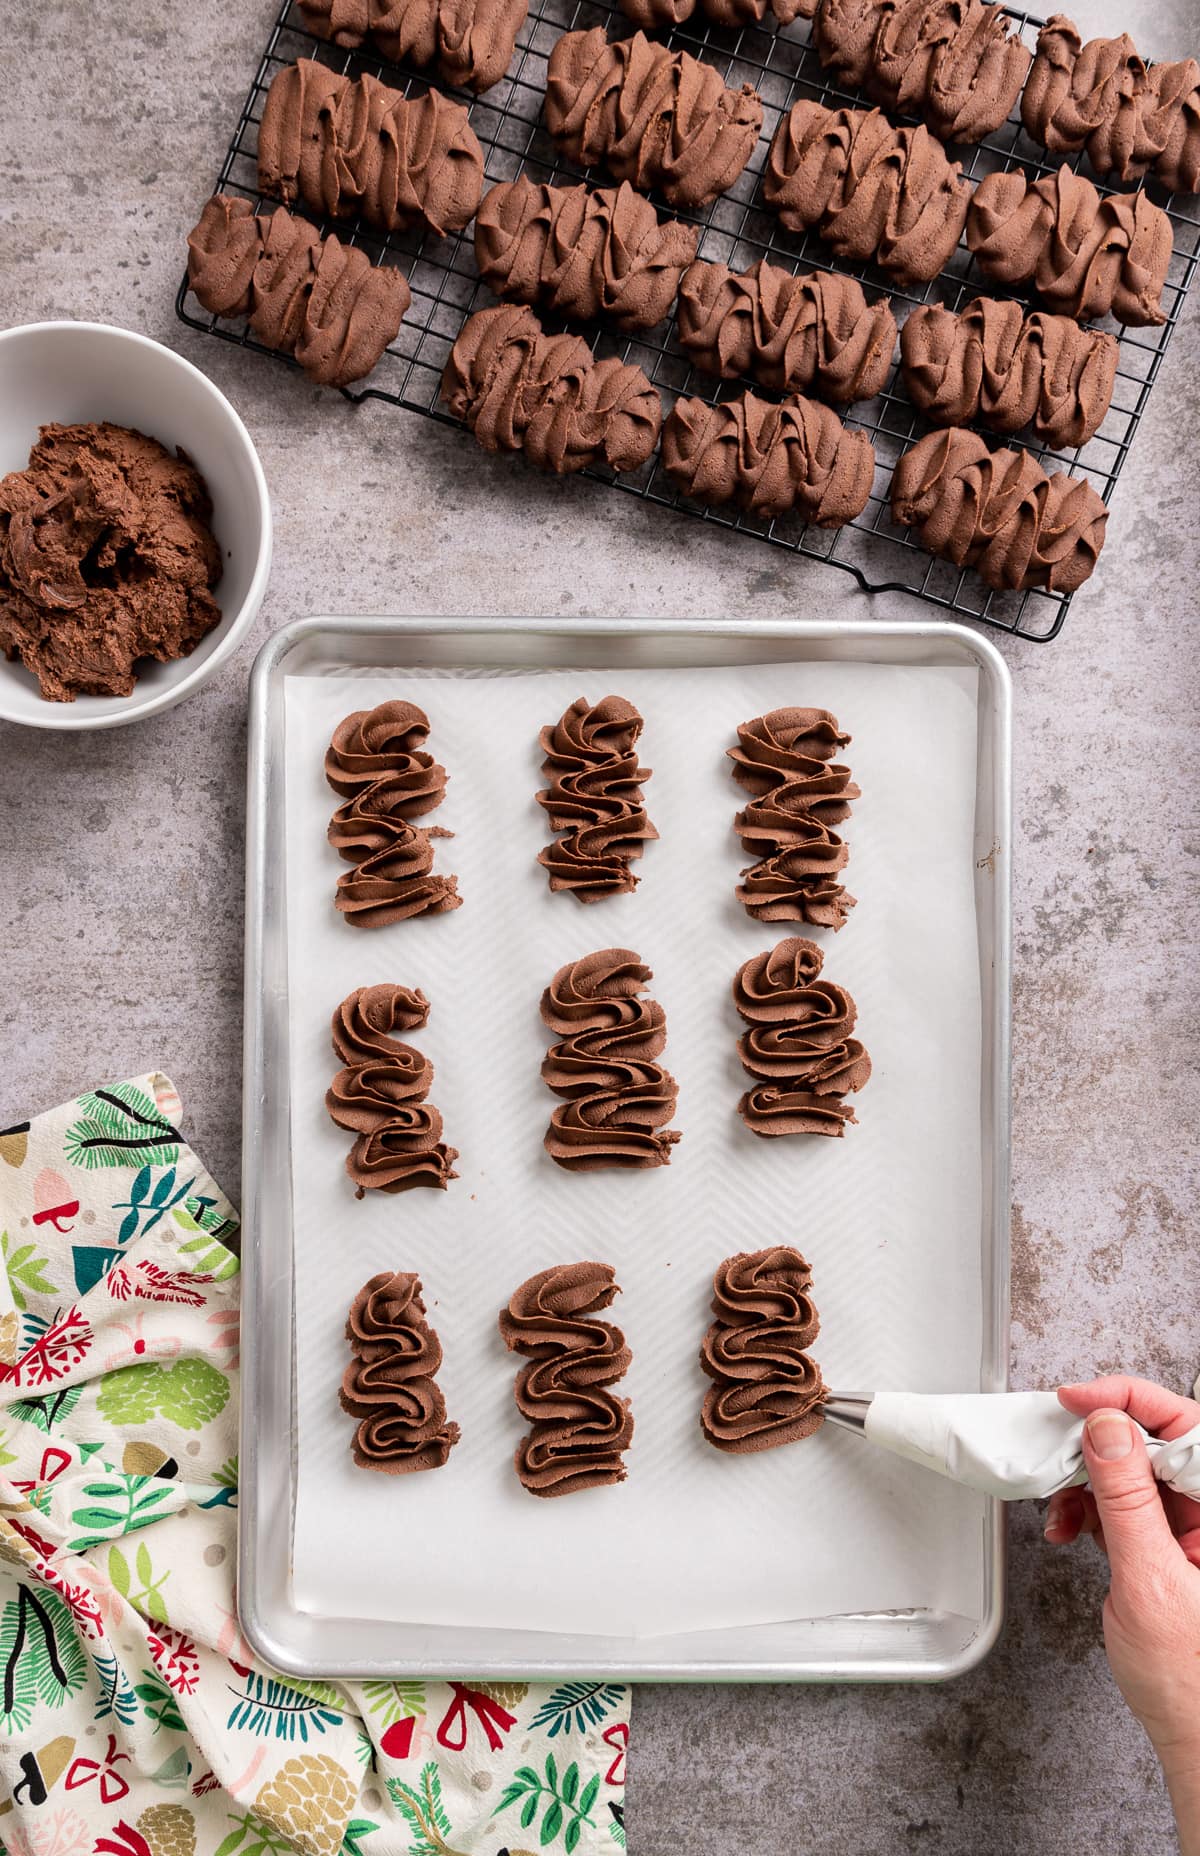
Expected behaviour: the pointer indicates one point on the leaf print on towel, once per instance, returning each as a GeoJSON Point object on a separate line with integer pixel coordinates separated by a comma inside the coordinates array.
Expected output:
{"type": "Point", "coordinates": [159, 1703]}
{"type": "Point", "coordinates": [425, 1812]}
{"type": "Point", "coordinates": [53, 1408]}
{"type": "Point", "coordinates": [564, 1808]}
{"type": "Point", "coordinates": [576, 1706]}
{"type": "Point", "coordinates": [147, 1205]}
{"type": "Point", "coordinates": [267, 1706]}
{"type": "Point", "coordinates": [24, 1267]}
{"type": "Point", "coordinates": [41, 1658]}
{"type": "Point", "coordinates": [190, 1394]}
{"type": "Point", "coordinates": [121, 1126]}
{"type": "Point", "coordinates": [117, 1504]}
{"type": "Point", "coordinates": [116, 1692]}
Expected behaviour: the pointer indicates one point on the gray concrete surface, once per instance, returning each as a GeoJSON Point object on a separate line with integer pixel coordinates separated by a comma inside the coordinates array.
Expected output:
{"type": "Point", "coordinates": [120, 879]}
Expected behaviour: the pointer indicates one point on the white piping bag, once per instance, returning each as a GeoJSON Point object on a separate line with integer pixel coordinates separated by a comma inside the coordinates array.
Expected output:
{"type": "Point", "coordinates": [1018, 1446]}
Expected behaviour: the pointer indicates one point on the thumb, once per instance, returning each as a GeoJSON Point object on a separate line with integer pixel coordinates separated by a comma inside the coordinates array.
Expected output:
{"type": "Point", "coordinates": [1136, 1530]}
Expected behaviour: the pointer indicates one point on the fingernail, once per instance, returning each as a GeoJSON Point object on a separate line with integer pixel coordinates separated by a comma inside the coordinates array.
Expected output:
{"type": "Point", "coordinates": [1110, 1435]}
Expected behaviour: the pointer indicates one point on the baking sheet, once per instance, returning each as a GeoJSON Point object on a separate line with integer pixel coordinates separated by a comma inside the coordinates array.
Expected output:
{"type": "Point", "coordinates": [889, 1217]}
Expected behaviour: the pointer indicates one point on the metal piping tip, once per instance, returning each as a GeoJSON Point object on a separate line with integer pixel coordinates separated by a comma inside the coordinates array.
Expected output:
{"type": "Point", "coordinates": [849, 1409]}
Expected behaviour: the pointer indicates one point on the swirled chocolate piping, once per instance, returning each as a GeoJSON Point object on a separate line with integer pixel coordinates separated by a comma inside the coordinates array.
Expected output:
{"type": "Point", "coordinates": [658, 118]}
{"type": "Point", "coordinates": [351, 146]}
{"type": "Point", "coordinates": [766, 1390]}
{"type": "Point", "coordinates": [957, 64]}
{"type": "Point", "coordinates": [305, 295]}
{"type": "Point", "coordinates": [995, 364]}
{"type": "Point", "coordinates": [594, 796]}
{"type": "Point", "coordinates": [661, 15]}
{"type": "Point", "coordinates": [769, 458]}
{"type": "Point", "coordinates": [582, 252]}
{"type": "Point", "coordinates": [873, 192]}
{"type": "Point", "coordinates": [785, 760]}
{"type": "Point", "coordinates": [389, 1385]}
{"type": "Point", "coordinates": [1085, 256]}
{"type": "Point", "coordinates": [379, 1094]}
{"type": "Point", "coordinates": [579, 1430]}
{"type": "Point", "coordinates": [791, 334]}
{"type": "Point", "coordinates": [471, 42]}
{"type": "Point", "coordinates": [798, 1048]}
{"type": "Point", "coordinates": [998, 512]}
{"type": "Point", "coordinates": [617, 1099]}
{"type": "Point", "coordinates": [1132, 118]}
{"type": "Point", "coordinates": [520, 390]}
{"type": "Point", "coordinates": [378, 763]}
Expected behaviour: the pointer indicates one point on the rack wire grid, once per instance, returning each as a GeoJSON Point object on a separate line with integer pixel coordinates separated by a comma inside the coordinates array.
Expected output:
{"type": "Point", "coordinates": [736, 229]}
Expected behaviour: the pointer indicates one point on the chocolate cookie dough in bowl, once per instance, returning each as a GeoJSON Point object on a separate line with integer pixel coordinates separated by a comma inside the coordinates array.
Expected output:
{"type": "Point", "coordinates": [139, 529]}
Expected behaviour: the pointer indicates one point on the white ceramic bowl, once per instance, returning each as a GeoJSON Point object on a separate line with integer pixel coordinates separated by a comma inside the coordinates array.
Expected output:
{"type": "Point", "coordinates": [70, 372]}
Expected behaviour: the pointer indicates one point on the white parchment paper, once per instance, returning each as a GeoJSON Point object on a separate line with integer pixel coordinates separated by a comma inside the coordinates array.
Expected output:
{"type": "Point", "coordinates": [889, 1217]}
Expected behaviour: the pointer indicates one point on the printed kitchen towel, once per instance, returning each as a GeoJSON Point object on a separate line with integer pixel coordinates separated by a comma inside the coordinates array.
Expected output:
{"type": "Point", "coordinates": [133, 1719]}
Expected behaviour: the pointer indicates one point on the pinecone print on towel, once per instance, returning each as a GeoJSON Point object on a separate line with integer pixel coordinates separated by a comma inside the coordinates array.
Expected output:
{"type": "Point", "coordinates": [310, 1800]}
{"type": "Point", "coordinates": [169, 1830]}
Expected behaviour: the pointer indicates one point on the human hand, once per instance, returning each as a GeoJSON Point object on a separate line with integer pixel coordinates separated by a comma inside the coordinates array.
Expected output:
{"type": "Point", "coordinates": [1152, 1538]}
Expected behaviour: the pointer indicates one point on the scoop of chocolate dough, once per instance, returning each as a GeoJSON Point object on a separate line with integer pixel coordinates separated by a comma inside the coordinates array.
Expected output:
{"type": "Point", "coordinates": [106, 556]}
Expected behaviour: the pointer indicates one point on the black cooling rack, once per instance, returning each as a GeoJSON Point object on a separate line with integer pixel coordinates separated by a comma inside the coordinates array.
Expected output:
{"type": "Point", "coordinates": [736, 230]}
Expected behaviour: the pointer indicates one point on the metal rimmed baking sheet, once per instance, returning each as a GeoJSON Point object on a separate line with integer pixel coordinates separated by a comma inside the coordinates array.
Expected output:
{"type": "Point", "coordinates": [290, 1620]}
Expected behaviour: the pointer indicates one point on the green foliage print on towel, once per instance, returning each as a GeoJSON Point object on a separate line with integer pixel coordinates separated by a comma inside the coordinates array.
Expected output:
{"type": "Point", "coordinates": [267, 1706]}
{"type": "Point", "coordinates": [149, 1202]}
{"type": "Point", "coordinates": [560, 1803]}
{"type": "Point", "coordinates": [121, 1126]}
{"type": "Point", "coordinates": [41, 1658]}
{"type": "Point", "coordinates": [576, 1706]}
{"type": "Point", "coordinates": [117, 1504]}
{"type": "Point", "coordinates": [24, 1269]}
{"type": "Point", "coordinates": [423, 1808]}
{"type": "Point", "coordinates": [190, 1394]}
{"type": "Point", "coordinates": [206, 1250]}
{"type": "Point", "coordinates": [149, 1598]}
{"type": "Point", "coordinates": [53, 1408]}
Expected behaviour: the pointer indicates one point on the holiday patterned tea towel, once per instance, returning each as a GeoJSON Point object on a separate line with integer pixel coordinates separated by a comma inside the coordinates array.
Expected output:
{"type": "Point", "coordinates": [133, 1719]}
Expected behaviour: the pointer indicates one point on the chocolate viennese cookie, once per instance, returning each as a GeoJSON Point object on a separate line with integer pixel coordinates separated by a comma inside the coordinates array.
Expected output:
{"type": "Point", "coordinates": [994, 363]}
{"type": "Point", "coordinates": [999, 512]}
{"type": "Point", "coordinates": [389, 1385]}
{"type": "Point", "coordinates": [813, 333]}
{"type": "Point", "coordinates": [661, 119]}
{"type": "Point", "coordinates": [769, 458]}
{"type": "Point", "coordinates": [471, 42]}
{"type": "Point", "coordinates": [797, 1047]}
{"type": "Point", "coordinates": [582, 252]}
{"type": "Point", "coordinates": [1085, 255]}
{"type": "Point", "coordinates": [518, 389]}
{"type": "Point", "coordinates": [872, 191]}
{"type": "Point", "coordinates": [305, 295]}
{"type": "Point", "coordinates": [351, 147]}
{"type": "Point", "coordinates": [957, 64]}
{"type": "Point", "coordinates": [1133, 118]}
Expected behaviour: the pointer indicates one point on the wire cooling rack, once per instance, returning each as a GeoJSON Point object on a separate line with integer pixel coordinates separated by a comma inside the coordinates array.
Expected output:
{"type": "Point", "coordinates": [736, 230]}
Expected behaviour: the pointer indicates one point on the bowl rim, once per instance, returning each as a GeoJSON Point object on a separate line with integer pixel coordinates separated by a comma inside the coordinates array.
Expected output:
{"type": "Point", "coordinates": [134, 708]}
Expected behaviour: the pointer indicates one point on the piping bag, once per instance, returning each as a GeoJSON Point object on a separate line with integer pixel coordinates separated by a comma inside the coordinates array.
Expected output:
{"type": "Point", "coordinates": [1018, 1446]}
